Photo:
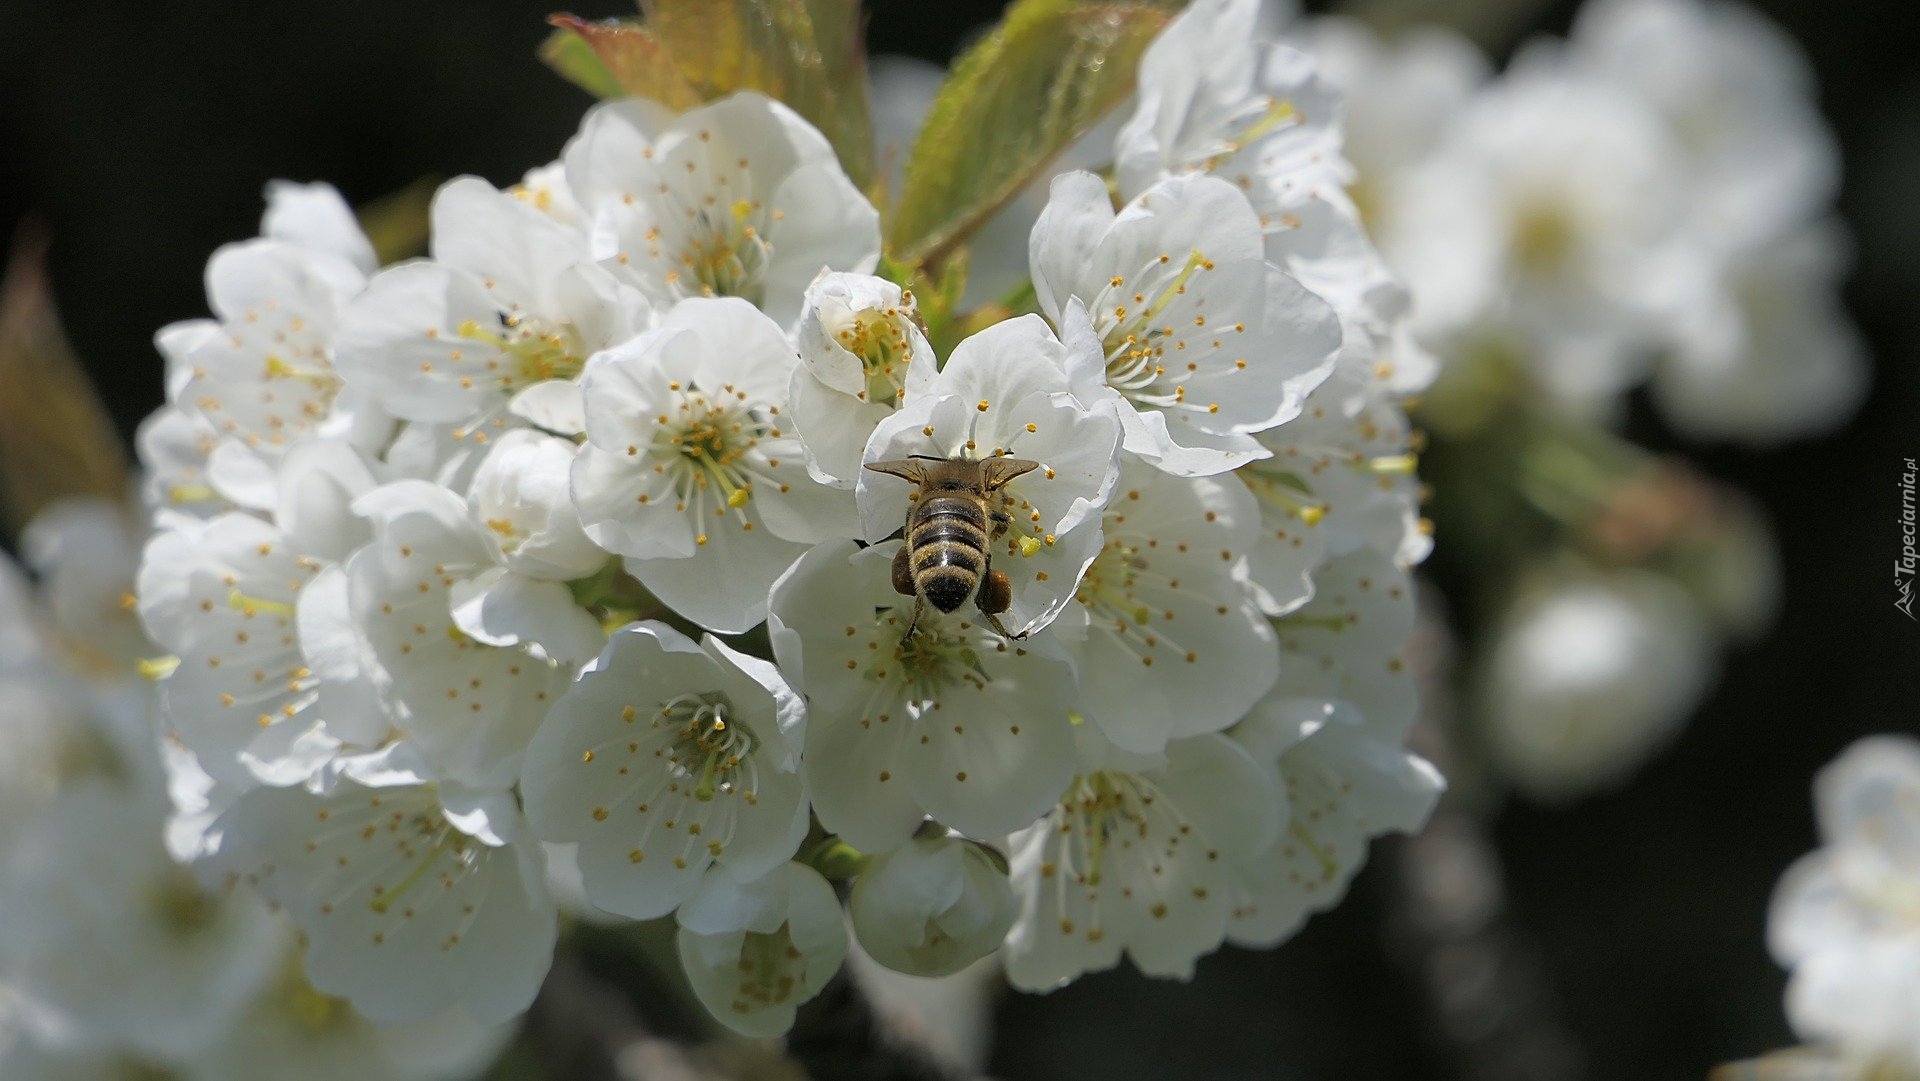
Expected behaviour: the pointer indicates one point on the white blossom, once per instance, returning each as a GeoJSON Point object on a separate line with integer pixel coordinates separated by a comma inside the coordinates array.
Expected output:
{"type": "Point", "coordinates": [690, 470]}
{"type": "Point", "coordinates": [932, 906]}
{"type": "Point", "coordinates": [223, 598]}
{"type": "Point", "coordinates": [1400, 94]}
{"type": "Point", "coordinates": [1347, 781]}
{"type": "Point", "coordinates": [174, 445]}
{"type": "Point", "coordinates": [111, 944]}
{"type": "Point", "coordinates": [1587, 679]}
{"type": "Point", "coordinates": [292, 1032]}
{"type": "Point", "coordinates": [1739, 95]}
{"type": "Point", "coordinates": [314, 216]}
{"type": "Point", "coordinates": [1216, 99]}
{"type": "Point", "coordinates": [77, 649]}
{"type": "Point", "coordinates": [261, 372]}
{"type": "Point", "coordinates": [1760, 347]}
{"type": "Point", "coordinates": [45, 741]}
{"type": "Point", "coordinates": [955, 722]}
{"type": "Point", "coordinates": [413, 896]}
{"type": "Point", "coordinates": [397, 517]}
{"type": "Point", "coordinates": [1765, 349]}
{"type": "Point", "coordinates": [740, 197]}
{"type": "Point", "coordinates": [862, 352]}
{"type": "Point", "coordinates": [1333, 725]}
{"type": "Point", "coordinates": [545, 188]}
{"type": "Point", "coordinates": [272, 674]}
{"type": "Point", "coordinates": [1843, 919]}
{"type": "Point", "coordinates": [454, 633]}
{"type": "Point", "coordinates": [84, 552]}
{"type": "Point", "coordinates": [1201, 340]}
{"type": "Point", "coordinates": [75, 713]}
{"type": "Point", "coordinates": [502, 317]}
{"type": "Point", "coordinates": [1340, 476]}
{"type": "Point", "coordinates": [664, 757]}
{"type": "Point", "coordinates": [1142, 854]}
{"type": "Point", "coordinates": [1347, 643]}
{"type": "Point", "coordinates": [754, 950]}
{"type": "Point", "coordinates": [1544, 225]}
{"type": "Point", "coordinates": [1167, 637]}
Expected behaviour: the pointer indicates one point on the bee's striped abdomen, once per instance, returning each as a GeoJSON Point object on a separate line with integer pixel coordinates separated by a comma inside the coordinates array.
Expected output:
{"type": "Point", "coordinates": [948, 538]}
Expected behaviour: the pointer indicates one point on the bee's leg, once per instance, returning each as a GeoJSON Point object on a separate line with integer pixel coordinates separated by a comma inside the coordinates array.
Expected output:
{"type": "Point", "coordinates": [919, 605]}
{"type": "Point", "coordinates": [995, 597]}
{"type": "Point", "coordinates": [998, 521]}
{"type": "Point", "coordinates": [903, 572]}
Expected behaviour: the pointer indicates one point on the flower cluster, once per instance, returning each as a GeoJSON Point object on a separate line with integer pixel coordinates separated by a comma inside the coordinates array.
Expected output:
{"type": "Point", "coordinates": [618, 540]}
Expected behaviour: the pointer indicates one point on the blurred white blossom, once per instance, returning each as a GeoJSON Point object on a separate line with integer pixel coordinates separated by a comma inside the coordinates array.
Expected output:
{"type": "Point", "coordinates": [1589, 677]}
{"type": "Point", "coordinates": [1843, 918]}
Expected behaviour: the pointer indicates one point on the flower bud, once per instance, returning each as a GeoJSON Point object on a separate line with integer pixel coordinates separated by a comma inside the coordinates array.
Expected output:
{"type": "Point", "coordinates": [932, 906]}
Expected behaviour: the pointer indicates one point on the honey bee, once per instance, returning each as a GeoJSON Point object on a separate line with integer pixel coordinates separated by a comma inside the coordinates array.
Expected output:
{"type": "Point", "coordinates": [946, 557]}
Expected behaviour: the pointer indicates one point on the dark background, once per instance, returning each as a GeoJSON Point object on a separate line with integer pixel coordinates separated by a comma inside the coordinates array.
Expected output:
{"type": "Point", "coordinates": [141, 135]}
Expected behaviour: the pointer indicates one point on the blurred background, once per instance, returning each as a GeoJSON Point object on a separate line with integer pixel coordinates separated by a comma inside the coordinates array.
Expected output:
{"type": "Point", "coordinates": [1631, 944]}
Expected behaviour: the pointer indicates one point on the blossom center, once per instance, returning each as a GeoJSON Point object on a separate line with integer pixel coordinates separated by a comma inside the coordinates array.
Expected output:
{"type": "Point", "coordinates": [424, 837]}
{"type": "Point", "coordinates": [1285, 490]}
{"type": "Point", "coordinates": [1108, 583]}
{"type": "Point", "coordinates": [313, 1011]}
{"type": "Point", "coordinates": [1103, 809]}
{"type": "Point", "coordinates": [709, 444]}
{"type": "Point", "coordinates": [884, 347]}
{"type": "Point", "coordinates": [1248, 124]}
{"type": "Point", "coordinates": [769, 972]}
{"type": "Point", "coordinates": [1544, 238]}
{"type": "Point", "coordinates": [181, 906]}
{"type": "Point", "coordinates": [1131, 315]}
{"type": "Point", "coordinates": [534, 350]}
{"type": "Point", "coordinates": [1116, 589]}
{"type": "Point", "coordinates": [726, 255]}
{"type": "Point", "coordinates": [934, 658]}
{"type": "Point", "coordinates": [707, 748]}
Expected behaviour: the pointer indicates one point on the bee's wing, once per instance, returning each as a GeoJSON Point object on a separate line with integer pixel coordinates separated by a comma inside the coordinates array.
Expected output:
{"type": "Point", "coordinates": [998, 472]}
{"type": "Point", "coordinates": [906, 469]}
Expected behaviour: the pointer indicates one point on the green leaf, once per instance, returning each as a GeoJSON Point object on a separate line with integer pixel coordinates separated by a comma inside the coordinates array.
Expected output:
{"type": "Point", "coordinates": [806, 53]}
{"type": "Point", "coordinates": [56, 436]}
{"type": "Point", "coordinates": [616, 58]}
{"type": "Point", "coordinates": [1012, 104]}
{"type": "Point", "coordinates": [398, 223]}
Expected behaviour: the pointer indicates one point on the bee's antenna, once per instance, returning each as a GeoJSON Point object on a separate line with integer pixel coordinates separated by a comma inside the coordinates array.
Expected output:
{"type": "Point", "coordinates": [927, 457]}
